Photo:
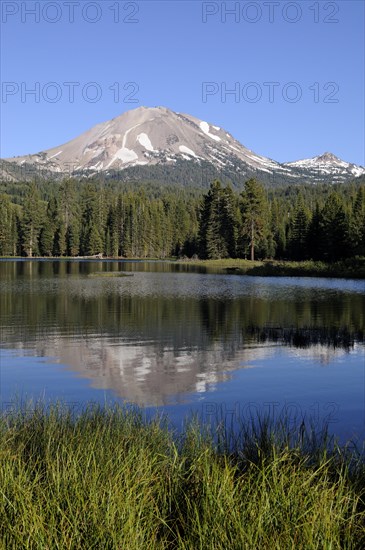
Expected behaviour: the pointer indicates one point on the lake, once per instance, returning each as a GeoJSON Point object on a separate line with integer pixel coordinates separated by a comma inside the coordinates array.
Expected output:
{"type": "Point", "coordinates": [179, 339]}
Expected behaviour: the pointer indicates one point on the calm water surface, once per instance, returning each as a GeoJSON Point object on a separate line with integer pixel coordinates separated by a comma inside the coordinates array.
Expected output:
{"type": "Point", "coordinates": [180, 339]}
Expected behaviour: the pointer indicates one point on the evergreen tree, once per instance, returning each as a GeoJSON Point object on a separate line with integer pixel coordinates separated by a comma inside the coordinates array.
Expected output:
{"type": "Point", "coordinates": [229, 225]}
{"type": "Point", "coordinates": [315, 235]}
{"type": "Point", "coordinates": [119, 224]}
{"type": "Point", "coordinates": [356, 238]}
{"type": "Point", "coordinates": [8, 235]}
{"type": "Point", "coordinates": [47, 232]}
{"type": "Point", "coordinates": [46, 240]}
{"type": "Point", "coordinates": [94, 242]}
{"type": "Point", "coordinates": [333, 229]}
{"type": "Point", "coordinates": [69, 216]}
{"type": "Point", "coordinates": [299, 230]}
{"type": "Point", "coordinates": [112, 238]}
{"type": "Point", "coordinates": [59, 247]}
{"type": "Point", "coordinates": [31, 221]}
{"type": "Point", "coordinates": [254, 215]}
{"type": "Point", "coordinates": [278, 215]}
{"type": "Point", "coordinates": [216, 233]}
{"type": "Point", "coordinates": [73, 238]}
{"type": "Point", "coordinates": [93, 228]}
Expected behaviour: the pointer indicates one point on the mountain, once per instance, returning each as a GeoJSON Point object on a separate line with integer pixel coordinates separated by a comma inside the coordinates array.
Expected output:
{"type": "Point", "coordinates": [328, 164]}
{"type": "Point", "coordinates": [155, 143]}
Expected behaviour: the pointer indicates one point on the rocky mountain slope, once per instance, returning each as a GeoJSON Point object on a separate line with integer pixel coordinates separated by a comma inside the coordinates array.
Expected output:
{"type": "Point", "coordinates": [145, 141]}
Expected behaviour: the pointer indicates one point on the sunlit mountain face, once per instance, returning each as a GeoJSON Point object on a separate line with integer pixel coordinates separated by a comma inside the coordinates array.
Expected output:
{"type": "Point", "coordinates": [160, 144]}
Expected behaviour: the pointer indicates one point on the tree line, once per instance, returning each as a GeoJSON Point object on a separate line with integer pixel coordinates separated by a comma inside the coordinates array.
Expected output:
{"type": "Point", "coordinates": [254, 224]}
{"type": "Point", "coordinates": [88, 218]}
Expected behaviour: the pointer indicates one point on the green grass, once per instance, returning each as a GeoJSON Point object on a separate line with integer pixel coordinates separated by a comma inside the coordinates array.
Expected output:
{"type": "Point", "coordinates": [353, 268]}
{"type": "Point", "coordinates": [108, 478]}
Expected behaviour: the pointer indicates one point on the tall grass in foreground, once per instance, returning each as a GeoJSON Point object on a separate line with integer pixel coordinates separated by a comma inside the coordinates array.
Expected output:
{"type": "Point", "coordinates": [108, 478]}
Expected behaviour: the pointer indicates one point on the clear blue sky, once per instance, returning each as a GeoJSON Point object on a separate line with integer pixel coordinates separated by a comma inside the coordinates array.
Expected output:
{"type": "Point", "coordinates": [170, 52]}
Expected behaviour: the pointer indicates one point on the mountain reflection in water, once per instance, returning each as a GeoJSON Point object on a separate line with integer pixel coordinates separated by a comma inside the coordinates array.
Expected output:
{"type": "Point", "coordinates": [170, 331]}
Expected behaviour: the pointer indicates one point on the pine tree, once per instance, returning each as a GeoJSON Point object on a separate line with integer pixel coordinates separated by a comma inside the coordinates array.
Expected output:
{"type": "Point", "coordinates": [59, 246]}
{"type": "Point", "coordinates": [112, 239]}
{"type": "Point", "coordinates": [93, 227]}
{"type": "Point", "coordinates": [68, 220]}
{"type": "Point", "coordinates": [278, 216]}
{"type": "Point", "coordinates": [229, 225]}
{"type": "Point", "coordinates": [31, 221]}
{"type": "Point", "coordinates": [315, 235]}
{"type": "Point", "coordinates": [254, 215]}
{"type": "Point", "coordinates": [47, 232]}
{"type": "Point", "coordinates": [7, 220]}
{"type": "Point", "coordinates": [127, 244]}
{"type": "Point", "coordinates": [46, 240]}
{"type": "Point", "coordinates": [94, 244]}
{"type": "Point", "coordinates": [73, 238]}
{"type": "Point", "coordinates": [16, 234]}
{"type": "Point", "coordinates": [299, 230]}
{"type": "Point", "coordinates": [356, 238]}
{"type": "Point", "coordinates": [213, 232]}
{"type": "Point", "coordinates": [333, 226]}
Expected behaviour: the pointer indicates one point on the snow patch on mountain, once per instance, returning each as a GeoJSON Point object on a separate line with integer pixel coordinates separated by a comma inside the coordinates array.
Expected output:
{"type": "Point", "coordinates": [204, 126]}
{"type": "Point", "coordinates": [97, 166]}
{"type": "Point", "coordinates": [234, 148]}
{"type": "Point", "coordinates": [358, 170]}
{"type": "Point", "coordinates": [56, 155]}
{"type": "Point", "coordinates": [145, 141]}
{"type": "Point", "coordinates": [184, 149]}
{"type": "Point", "coordinates": [125, 155]}
{"type": "Point", "coordinates": [216, 159]}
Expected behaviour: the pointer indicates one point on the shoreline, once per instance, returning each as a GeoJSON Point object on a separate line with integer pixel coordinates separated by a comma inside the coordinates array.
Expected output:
{"type": "Point", "coordinates": [352, 268]}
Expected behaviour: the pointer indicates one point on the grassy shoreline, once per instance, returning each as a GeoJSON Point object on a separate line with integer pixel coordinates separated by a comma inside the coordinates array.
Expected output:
{"type": "Point", "coordinates": [352, 268]}
{"type": "Point", "coordinates": [109, 478]}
